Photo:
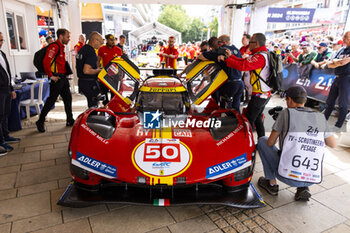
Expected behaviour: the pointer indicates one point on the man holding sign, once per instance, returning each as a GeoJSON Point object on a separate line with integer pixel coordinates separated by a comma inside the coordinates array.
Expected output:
{"type": "Point", "coordinates": [303, 135]}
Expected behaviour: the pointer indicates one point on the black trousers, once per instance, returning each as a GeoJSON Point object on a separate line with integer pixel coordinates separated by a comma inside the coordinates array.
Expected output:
{"type": "Point", "coordinates": [340, 89]}
{"type": "Point", "coordinates": [61, 87]}
{"type": "Point", "coordinates": [255, 109]}
{"type": "Point", "coordinates": [90, 89]}
{"type": "Point", "coordinates": [5, 110]}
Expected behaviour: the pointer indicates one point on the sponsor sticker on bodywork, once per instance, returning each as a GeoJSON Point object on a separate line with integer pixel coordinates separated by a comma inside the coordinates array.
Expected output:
{"type": "Point", "coordinates": [182, 133]}
{"type": "Point", "coordinates": [95, 166]}
{"type": "Point", "coordinates": [228, 167]}
{"type": "Point", "coordinates": [161, 157]}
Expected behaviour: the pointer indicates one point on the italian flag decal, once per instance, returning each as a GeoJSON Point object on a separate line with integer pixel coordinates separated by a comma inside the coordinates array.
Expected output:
{"type": "Point", "coordinates": [161, 202]}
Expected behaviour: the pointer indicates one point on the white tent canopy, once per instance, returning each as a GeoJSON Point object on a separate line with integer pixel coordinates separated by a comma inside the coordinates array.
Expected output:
{"type": "Point", "coordinates": [154, 29]}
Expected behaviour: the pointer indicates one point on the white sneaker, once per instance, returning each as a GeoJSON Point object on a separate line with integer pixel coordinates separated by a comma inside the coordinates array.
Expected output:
{"type": "Point", "coordinates": [3, 151]}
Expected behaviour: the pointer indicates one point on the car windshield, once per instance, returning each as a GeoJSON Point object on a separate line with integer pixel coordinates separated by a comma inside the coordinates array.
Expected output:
{"type": "Point", "coordinates": [169, 103]}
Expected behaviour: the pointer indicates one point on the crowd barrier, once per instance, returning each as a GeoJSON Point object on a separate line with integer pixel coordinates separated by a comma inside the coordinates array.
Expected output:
{"type": "Point", "coordinates": [317, 86]}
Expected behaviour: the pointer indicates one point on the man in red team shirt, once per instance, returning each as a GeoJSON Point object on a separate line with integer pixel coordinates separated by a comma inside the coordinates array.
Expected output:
{"type": "Point", "coordinates": [108, 51]}
{"type": "Point", "coordinates": [105, 54]}
{"type": "Point", "coordinates": [170, 54]}
{"type": "Point", "coordinates": [245, 46]}
{"type": "Point", "coordinates": [57, 73]}
{"type": "Point", "coordinates": [80, 43]}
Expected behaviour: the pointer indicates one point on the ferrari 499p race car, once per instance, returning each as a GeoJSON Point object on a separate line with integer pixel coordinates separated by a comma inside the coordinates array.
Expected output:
{"type": "Point", "coordinates": [153, 145]}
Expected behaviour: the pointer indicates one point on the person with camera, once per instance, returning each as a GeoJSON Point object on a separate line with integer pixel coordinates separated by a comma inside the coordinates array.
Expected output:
{"type": "Point", "coordinates": [231, 91]}
{"type": "Point", "coordinates": [87, 69]}
{"type": "Point", "coordinates": [57, 68]}
{"type": "Point", "coordinates": [258, 66]}
{"type": "Point", "coordinates": [303, 134]}
{"type": "Point", "coordinates": [292, 53]}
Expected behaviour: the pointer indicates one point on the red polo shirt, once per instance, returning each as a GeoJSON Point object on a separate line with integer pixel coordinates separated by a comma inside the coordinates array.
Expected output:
{"type": "Point", "coordinates": [78, 46]}
{"type": "Point", "coordinates": [59, 66]}
{"type": "Point", "coordinates": [171, 61]}
{"type": "Point", "coordinates": [107, 53]}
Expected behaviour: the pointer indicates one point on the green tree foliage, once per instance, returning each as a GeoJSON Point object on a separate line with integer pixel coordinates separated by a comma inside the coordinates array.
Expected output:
{"type": "Point", "coordinates": [175, 17]}
{"type": "Point", "coordinates": [214, 25]}
{"type": "Point", "coordinates": [194, 30]}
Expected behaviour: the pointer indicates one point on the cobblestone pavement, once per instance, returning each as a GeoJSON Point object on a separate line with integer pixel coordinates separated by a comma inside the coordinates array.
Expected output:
{"type": "Point", "coordinates": [36, 173]}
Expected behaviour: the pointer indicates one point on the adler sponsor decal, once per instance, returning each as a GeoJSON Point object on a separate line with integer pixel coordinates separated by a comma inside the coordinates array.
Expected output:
{"type": "Point", "coordinates": [95, 166]}
{"type": "Point", "coordinates": [228, 167]}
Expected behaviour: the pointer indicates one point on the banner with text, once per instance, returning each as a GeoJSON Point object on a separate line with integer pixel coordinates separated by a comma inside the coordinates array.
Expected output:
{"type": "Point", "coordinates": [290, 15]}
{"type": "Point", "coordinates": [317, 86]}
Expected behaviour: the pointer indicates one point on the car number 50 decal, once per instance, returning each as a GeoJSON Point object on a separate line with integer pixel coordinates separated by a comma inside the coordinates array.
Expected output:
{"type": "Point", "coordinates": [161, 157]}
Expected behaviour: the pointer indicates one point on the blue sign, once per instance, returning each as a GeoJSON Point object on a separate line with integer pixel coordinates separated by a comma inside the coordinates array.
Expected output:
{"type": "Point", "coordinates": [227, 166]}
{"type": "Point", "coordinates": [96, 165]}
{"type": "Point", "coordinates": [290, 15]}
{"type": "Point", "coordinates": [317, 85]}
{"type": "Point", "coordinates": [152, 120]}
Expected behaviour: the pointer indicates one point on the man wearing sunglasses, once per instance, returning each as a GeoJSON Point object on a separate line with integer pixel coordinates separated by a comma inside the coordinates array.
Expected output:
{"type": "Point", "coordinates": [258, 66]}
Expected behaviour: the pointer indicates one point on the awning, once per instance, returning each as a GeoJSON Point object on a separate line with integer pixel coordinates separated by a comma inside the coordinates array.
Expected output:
{"type": "Point", "coordinates": [41, 12]}
{"type": "Point", "coordinates": [154, 29]}
{"type": "Point", "coordinates": [91, 12]}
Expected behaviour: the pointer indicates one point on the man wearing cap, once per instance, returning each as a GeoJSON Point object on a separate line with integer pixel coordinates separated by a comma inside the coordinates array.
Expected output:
{"type": "Point", "coordinates": [336, 46]}
{"type": "Point", "coordinates": [105, 54]}
{"type": "Point", "coordinates": [322, 56]}
{"type": "Point", "coordinates": [302, 135]}
{"type": "Point", "coordinates": [284, 44]}
{"type": "Point", "coordinates": [304, 60]}
{"type": "Point", "coordinates": [341, 85]}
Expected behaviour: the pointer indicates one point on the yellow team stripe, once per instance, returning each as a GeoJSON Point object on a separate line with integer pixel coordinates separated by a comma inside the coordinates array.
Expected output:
{"type": "Point", "coordinates": [162, 133]}
{"type": "Point", "coordinates": [101, 77]}
{"type": "Point", "coordinates": [219, 80]}
{"type": "Point", "coordinates": [162, 89]}
{"type": "Point", "coordinates": [195, 70]}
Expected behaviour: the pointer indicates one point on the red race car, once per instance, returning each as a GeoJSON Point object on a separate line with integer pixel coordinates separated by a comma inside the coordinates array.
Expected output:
{"type": "Point", "coordinates": [154, 144]}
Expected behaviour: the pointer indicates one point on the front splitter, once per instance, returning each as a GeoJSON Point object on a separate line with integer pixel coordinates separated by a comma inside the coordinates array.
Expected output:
{"type": "Point", "coordinates": [198, 194]}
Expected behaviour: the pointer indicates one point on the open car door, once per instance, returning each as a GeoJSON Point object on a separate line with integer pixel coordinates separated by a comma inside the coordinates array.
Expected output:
{"type": "Point", "coordinates": [203, 78]}
{"type": "Point", "coordinates": [122, 77]}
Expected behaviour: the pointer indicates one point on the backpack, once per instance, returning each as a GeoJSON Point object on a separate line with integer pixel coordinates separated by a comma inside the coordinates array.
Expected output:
{"type": "Point", "coordinates": [39, 58]}
{"type": "Point", "coordinates": [274, 81]}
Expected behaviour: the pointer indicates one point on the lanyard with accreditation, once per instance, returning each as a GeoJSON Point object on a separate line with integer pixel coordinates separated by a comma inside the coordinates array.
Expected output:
{"type": "Point", "coordinates": [303, 147]}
